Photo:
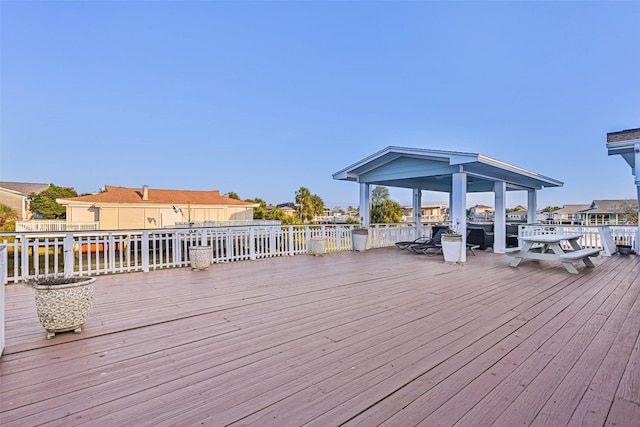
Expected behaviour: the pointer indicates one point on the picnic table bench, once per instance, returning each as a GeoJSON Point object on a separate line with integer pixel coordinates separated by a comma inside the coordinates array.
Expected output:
{"type": "Point", "coordinates": [547, 247]}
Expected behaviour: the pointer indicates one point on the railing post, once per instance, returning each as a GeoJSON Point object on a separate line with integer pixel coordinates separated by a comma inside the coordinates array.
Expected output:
{"type": "Point", "coordinates": [272, 241]}
{"type": "Point", "coordinates": [290, 231]}
{"type": "Point", "coordinates": [145, 251]}
{"type": "Point", "coordinates": [252, 243]}
{"type": "Point", "coordinates": [69, 259]}
{"type": "Point", "coordinates": [112, 254]}
{"type": "Point", "coordinates": [24, 263]}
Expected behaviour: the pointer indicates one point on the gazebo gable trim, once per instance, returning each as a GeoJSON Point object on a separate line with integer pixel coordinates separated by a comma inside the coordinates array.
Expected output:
{"type": "Point", "coordinates": [373, 168]}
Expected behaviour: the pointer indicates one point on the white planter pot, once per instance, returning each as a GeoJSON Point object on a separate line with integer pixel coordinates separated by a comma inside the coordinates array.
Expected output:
{"type": "Point", "coordinates": [63, 308]}
{"type": "Point", "coordinates": [200, 257]}
{"type": "Point", "coordinates": [452, 247]}
{"type": "Point", "coordinates": [360, 239]}
{"type": "Point", "coordinates": [317, 246]}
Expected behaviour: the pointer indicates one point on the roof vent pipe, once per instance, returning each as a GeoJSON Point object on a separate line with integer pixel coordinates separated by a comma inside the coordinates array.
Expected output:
{"type": "Point", "coordinates": [145, 192]}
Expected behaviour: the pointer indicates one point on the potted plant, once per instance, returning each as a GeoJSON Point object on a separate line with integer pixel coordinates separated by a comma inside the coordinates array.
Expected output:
{"type": "Point", "coordinates": [360, 237]}
{"type": "Point", "coordinates": [452, 244]}
{"type": "Point", "coordinates": [63, 303]}
{"type": "Point", "coordinates": [623, 248]}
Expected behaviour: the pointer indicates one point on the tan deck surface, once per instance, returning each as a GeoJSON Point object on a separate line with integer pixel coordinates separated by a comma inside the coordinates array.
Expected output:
{"type": "Point", "coordinates": [384, 337]}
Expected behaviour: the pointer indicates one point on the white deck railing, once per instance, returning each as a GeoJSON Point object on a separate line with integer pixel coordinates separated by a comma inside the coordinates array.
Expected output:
{"type": "Point", "coordinates": [592, 236]}
{"type": "Point", "coordinates": [46, 225]}
{"type": "Point", "coordinates": [122, 251]}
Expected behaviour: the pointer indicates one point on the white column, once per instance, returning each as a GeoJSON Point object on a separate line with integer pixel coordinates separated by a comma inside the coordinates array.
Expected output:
{"type": "Point", "coordinates": [417, 210]}
{"type": "Point", "coordinates": [365, 201]}
{"type": "Point", "coordinates": [636, 151]}
{"type": "Point", "coordinates": [500, 216]}
{"type": "Point", "coordinates": [532, 206]}
{"type": "Point", "coordinates": [3, 281]}
{"type": "Point", "coordinates": [458, 207]}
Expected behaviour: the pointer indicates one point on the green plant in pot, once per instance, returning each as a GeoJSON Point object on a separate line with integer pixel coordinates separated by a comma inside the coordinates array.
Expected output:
{"type": "Point", "coordinates": [63, 303]}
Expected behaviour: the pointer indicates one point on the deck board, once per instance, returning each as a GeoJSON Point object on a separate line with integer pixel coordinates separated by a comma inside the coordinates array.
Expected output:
{"type": "Point", "coordinates": [383, 337]}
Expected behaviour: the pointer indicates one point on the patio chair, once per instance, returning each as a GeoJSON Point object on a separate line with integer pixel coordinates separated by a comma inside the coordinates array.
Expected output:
{"type": "Point", "coordinates": [434, 243]}
{"type": "Point", "coordinates": [407, 244]}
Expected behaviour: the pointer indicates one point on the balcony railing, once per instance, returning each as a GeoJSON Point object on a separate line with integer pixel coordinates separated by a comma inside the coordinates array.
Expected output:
{"type": "Point", "coordinates": [597, 237]}
{"type": "Point", "coordinates": [121, 251]}
{"type": "Point", "coordinates": [31, 254]}
{"type": "Point", "coordinates": [46, 225]}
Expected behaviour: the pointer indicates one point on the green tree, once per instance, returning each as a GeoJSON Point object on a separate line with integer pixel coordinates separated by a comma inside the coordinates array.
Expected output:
{"type": "Point", "coordinates": [379, 194]}
{"type": "Point", "coordinates": [317, 204]}
{"type": "Point", "coordinates": [7, 214]}
{"type": "Point", "coordinates": [308, 204]}
{"type": "Point", "coordinates": [516, 209]}
{"type": "Point", "coordinates": [44, 203]}
{"type": "Point", "coordinates": [388, 211]}
{"type": "Point", "coordinates": [550, 208]}
{"type": "Point", "coordinates": [261, 211]}
{"type": "Point", "coordinates": [233, 195]}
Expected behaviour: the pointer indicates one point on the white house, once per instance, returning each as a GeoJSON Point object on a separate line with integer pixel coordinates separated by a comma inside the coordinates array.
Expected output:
{"type": "Point", "coordinates": [16, 196]}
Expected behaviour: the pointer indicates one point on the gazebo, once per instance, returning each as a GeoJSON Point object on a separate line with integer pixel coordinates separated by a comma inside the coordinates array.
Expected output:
{"type": "Point", "coordinates": [627, 144]}
{"type": "Point", "coordinates": [452, 172]}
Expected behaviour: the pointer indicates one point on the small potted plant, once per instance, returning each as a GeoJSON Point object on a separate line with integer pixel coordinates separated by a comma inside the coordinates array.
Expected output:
{"type": "Point", "coordinates": [623, 248]}
{"type": "Point", "coordinates": [452, 244]}
{"type": "Point", "coordinates": [63, 303]}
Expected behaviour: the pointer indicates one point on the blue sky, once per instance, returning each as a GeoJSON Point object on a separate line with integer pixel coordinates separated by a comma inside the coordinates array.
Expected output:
{"type": "Point", "coordinates": [261, 98]}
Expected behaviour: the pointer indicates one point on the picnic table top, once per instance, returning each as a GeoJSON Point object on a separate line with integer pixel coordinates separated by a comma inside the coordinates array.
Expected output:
{"type": "Point", "coordinates": [550, 238]}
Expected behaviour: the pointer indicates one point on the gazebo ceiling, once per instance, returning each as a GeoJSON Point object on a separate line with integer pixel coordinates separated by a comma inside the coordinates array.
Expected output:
{"type": "Point", "coordinates": [433, 169]}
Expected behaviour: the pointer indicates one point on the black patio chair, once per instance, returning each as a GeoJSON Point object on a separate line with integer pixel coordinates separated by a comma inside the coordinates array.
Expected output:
{"type": "Point", "coordinates": [408, 244]}
{"type": "Point", "coordinates": [434, 243]}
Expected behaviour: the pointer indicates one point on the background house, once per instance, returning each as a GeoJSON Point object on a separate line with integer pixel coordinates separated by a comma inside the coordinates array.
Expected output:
{"type": "Point", "coordinates": [120, 208]}
{"type": "Point", "coordinates": [16, 196]}
{"type": "Point", "coordinates": [429, 213]}
{"type": "Point", "coordinates": [614, 212]}
{"type": "Point", "coordinates": [599, 212]}
{"type": "Point", "coordinates": [481, 213]}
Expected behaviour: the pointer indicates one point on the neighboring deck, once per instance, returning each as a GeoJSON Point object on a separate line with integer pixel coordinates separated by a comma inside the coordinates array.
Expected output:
{"type": "Point", "coordinates": [382, 337]}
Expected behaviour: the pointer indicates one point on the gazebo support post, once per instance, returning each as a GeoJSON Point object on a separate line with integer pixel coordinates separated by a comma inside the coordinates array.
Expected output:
{"type": "Point", "coordinates": [532, 206]}
{"type": "Point", "coordinates": [499, 217]}
{"type": "Point", "coordinates": [458, 208]}
{"type": "Point", "coordinates": [417, 211]}
{"type": "Point", "coordinates": [636, 173]}
{"type": "Point", "coordinates": [365, 203]}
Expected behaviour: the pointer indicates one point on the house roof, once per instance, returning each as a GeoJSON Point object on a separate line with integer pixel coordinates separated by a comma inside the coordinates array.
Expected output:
{"type": "Point", "coordinates": [123, 195]}
{"type": "Point", "coordinates": [432, 170]}
{"type": "Point", "coordinates": [23, 188]}
{"type": "Point", "coordinates": [613, 206]}
{"type": "Point", "coordinates": [571, 209]}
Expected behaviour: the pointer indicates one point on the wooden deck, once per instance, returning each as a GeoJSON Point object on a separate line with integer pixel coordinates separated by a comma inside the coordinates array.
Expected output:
{"type": "Point", "coordinates": [384, 337]}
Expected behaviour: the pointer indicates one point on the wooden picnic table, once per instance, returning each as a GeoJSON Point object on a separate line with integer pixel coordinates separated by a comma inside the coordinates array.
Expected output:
{"type": "Point", "coordinates": [548, 247]}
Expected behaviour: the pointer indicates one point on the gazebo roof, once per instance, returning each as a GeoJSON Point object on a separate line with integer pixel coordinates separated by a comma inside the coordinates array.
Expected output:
{"type": "Point", "coordinates": [432, 170]}
{"type": "Point", "coordinates": [623, 143]}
